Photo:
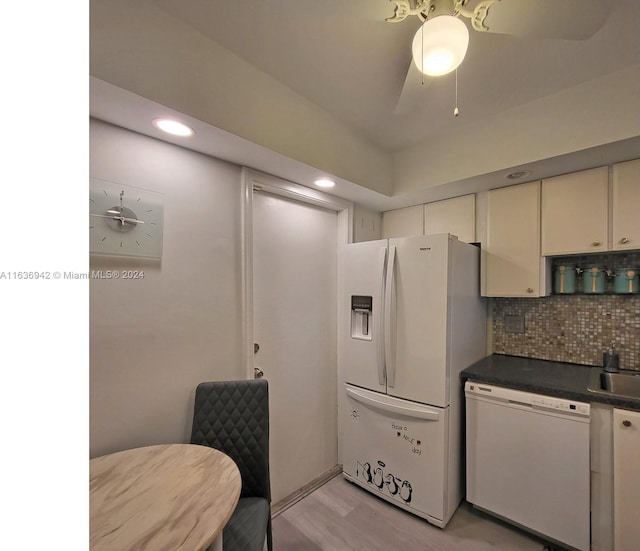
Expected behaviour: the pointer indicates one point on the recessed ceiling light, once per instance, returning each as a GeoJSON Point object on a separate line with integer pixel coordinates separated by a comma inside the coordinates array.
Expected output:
{"type": "Point", "coordinates": [518, 174]}
{"type": "Point", "coordinates": [325, 182]}
{"type": "Point", "coordinates": [173, 127]}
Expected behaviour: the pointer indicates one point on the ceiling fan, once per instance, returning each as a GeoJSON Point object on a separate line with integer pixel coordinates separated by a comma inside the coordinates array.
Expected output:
{"type": "Point", "coordinates": [440, 44]}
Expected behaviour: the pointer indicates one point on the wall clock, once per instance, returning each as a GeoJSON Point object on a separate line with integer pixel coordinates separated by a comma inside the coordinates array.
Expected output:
{"type": "Point", "coordinates": [124, 220]}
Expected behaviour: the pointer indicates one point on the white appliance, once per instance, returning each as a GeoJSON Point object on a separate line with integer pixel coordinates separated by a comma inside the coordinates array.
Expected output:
{"type": "Point", "coordinates": [414, 319]}
{"type": "Point", "coordinates": [528, 461]}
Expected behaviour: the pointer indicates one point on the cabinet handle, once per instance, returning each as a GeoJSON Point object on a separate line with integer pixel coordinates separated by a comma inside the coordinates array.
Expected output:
{"type": "Point", "coordinates": [624, 240]}
{"type": "Point", "coordinates": [626, 423]}
{"type": "Point", "coordinates": [530, 290]}
{"type": "Point", "coordinates": [596, 243]}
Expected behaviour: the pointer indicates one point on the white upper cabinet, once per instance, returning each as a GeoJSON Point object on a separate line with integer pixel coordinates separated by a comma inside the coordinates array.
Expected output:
{"type": "Point", "coordinates": [367, 224]}
{"type": "Point", "coordinates": [626, 206]}
{"type": "Point", "coordinates": [456, 216]}
{"type": "Point", "coordinates": [402, 222]}
{"type": "Point", "coordinates": [513, 266]}
{"type": "Point", "coordinates": [575, 213]}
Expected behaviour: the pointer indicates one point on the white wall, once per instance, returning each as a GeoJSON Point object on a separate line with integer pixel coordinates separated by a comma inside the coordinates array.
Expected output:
{"type": "Point", "coordinates": [153, 340]}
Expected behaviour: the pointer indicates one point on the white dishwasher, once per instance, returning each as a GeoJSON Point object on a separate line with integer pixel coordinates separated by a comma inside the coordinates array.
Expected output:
{"type": "Point", "coordinates": [528, 461]}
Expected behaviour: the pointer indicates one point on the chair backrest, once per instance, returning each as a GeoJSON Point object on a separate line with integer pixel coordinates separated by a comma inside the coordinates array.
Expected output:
{"type": "Point", "coordinates": [233, 417]}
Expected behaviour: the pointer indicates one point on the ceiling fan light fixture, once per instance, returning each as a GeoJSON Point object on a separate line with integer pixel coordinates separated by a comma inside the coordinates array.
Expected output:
{"type": "Point", "coordinates": [440, 45]}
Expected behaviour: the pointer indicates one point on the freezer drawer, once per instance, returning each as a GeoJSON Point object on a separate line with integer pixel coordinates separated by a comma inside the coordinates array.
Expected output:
{"type": "Point", "coordinates": [396, 449]}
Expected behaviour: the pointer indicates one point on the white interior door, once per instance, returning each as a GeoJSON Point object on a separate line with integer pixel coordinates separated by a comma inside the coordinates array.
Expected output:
{"type": "Point", "coordinates": [294, 312]}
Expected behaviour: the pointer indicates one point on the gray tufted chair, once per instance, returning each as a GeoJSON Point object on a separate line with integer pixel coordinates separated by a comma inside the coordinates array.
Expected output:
{"type": "Point", "coordinates": [233, 416]}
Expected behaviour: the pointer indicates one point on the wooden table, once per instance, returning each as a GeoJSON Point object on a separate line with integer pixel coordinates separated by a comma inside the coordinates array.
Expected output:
{"type": "Point", "coordinates": [170, 497]}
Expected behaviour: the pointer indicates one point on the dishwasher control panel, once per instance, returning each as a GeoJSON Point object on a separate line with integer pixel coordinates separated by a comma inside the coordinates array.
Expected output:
{"type": "Point", "coordinates": [559, 404]}
{"type": "Point", "coordinates": [510, 396]}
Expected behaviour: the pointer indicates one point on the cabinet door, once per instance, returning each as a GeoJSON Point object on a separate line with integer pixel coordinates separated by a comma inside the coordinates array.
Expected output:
{"type": "Point", "coordinates": [575, 212]}
{"type": "Point", "coordinates": [512, 251]}
{"type": "Point", "coordinates": [456, 216]}
{"type": "Point", "coordinates": [626, 205]}
{"type": "Point", "coordinates": [405, 222]}
{"type": "Point", "coordinates": [626, 479]}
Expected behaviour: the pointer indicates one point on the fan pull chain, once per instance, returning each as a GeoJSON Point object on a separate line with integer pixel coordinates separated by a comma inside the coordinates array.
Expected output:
{"type": "Point", "coordinates": [422, 54]}
{"type": "Point", "coordinates": [456, 111]}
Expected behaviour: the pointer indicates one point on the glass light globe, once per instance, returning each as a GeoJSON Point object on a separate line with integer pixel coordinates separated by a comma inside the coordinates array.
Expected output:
{"type": "Point", "coordinates": [440, 45]}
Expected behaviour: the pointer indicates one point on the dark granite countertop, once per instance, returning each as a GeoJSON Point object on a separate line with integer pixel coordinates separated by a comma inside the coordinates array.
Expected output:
{"type": "Point", "coordinates": [563, 380]}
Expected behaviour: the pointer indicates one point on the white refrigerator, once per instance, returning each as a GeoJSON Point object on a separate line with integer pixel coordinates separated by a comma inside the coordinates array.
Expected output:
{"type": "Point", "coordinates": [412, 320]}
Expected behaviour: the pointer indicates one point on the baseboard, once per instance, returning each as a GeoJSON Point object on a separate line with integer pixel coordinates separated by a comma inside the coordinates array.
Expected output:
{"type": "Point", "coordinates": [303, 492]}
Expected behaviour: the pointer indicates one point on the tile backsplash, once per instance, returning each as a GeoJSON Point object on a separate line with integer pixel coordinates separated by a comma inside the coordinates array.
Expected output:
{"type": "Point", "coordinates": [574, 328]}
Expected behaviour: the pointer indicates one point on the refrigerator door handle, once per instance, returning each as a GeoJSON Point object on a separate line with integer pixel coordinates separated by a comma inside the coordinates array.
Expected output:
{"type": "Point", "coordinates": [390, 319]}
{"type": "Point", "coordinates": [379, 323]}
{"type": "Point", "coordinates": [415, 412]}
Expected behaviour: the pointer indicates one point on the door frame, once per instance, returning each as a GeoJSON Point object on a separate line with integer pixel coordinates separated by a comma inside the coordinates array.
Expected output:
{"type": "Point", "coordinates": [252, 180]}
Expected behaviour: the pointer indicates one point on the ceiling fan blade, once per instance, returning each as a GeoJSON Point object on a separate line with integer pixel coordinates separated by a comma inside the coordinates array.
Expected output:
{"type": "Point", "coordinates": [565, 19]}
{"type": "Point", "coordinates": [415, 83]}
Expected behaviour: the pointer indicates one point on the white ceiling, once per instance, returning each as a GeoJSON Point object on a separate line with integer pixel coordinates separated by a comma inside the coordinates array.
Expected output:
{"type": "Point", "coordinates": [342, 56]}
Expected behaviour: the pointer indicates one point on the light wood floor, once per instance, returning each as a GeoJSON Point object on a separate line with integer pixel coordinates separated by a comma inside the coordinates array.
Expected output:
{"type": "Point", "coordinates": [340, 516]}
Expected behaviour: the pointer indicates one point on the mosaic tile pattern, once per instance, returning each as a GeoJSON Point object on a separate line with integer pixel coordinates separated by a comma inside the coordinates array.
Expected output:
{"type": "Point", "coordinates": [571, 328]}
